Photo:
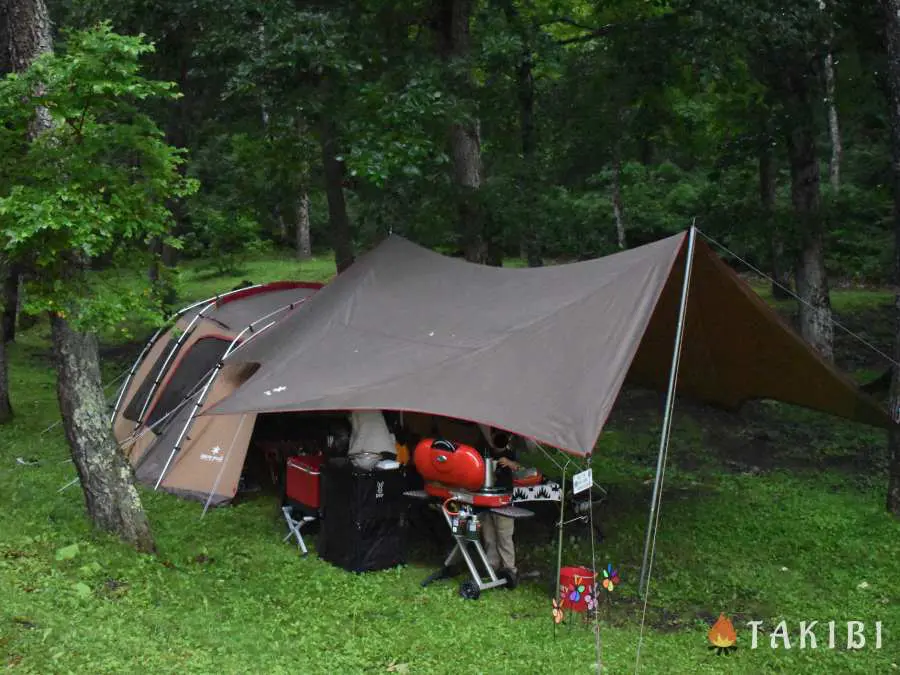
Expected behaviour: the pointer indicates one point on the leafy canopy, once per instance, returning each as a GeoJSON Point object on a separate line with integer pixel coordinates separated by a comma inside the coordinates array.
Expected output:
{"type": "Point", "coordinates": [85, 194]}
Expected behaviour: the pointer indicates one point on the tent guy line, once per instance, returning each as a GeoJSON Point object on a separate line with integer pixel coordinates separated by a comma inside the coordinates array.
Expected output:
{"type": "Point", "coordinates": [834, 322]}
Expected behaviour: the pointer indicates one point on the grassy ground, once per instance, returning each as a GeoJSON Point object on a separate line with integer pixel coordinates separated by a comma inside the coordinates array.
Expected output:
{"type": "Point", "coordinates": [774, 514]}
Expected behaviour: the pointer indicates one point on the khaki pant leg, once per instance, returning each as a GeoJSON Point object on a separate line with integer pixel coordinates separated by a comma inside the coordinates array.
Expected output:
{"type": "Point", "coordinates": [489, 534]}
{"type": "Point", "coordinates": [505, 546]}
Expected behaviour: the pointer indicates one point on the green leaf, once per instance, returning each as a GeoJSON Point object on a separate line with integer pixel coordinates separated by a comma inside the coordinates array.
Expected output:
{"type": "Point", "coordinates": [82, 590]}
{"type": "Point", "coordinates": [67, 552]}
{"type": "Point", "coordinates": [90, 568]}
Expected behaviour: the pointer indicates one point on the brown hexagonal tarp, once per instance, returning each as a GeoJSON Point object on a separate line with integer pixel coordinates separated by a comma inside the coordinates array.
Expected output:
{"type": "Point", "coordinates": [539, 352]}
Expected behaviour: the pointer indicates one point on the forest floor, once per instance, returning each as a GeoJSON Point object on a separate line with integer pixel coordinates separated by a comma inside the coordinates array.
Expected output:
{"type": "Point", "coordinates": [771, 514]}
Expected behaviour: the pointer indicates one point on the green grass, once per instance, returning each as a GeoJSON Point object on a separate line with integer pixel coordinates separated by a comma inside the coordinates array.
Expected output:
{"type": "Point", "coordinates": [842, 299]}
{"type": "Point", "coordinates": [774, 514]}
{"type": "Point", "coordinates": [197, 281]}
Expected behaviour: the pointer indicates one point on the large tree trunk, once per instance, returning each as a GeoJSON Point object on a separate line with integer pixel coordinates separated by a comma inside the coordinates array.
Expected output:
{"type": "Point", "coordinates": [112, 500]}
{"type": "Point", "coordinates": [812, 282]}
{"type": "Point", "coordinates": [334, 190]}
{"type": "Point", "coordinates": [304, 245]}
{"type": "Point", "coordinates": [452, 32]}
{"type": "Point", "coordinates": [781, 280]}
{"type": "Point", "coordinates": [891, 12]}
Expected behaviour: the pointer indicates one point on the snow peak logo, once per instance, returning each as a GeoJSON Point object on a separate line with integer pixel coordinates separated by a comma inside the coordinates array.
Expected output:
{"type": "Point", "coordinates": [379, 489]}
{"type": "Point", "coordinates": [214, 455]}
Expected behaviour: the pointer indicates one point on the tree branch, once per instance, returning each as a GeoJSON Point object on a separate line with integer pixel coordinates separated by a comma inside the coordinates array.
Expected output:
{"type": "Point", "coordinates": [587, 37]}
{"type": "Point", "coordinates": [602, 31]}
{"type": "Point", "coordinates": [569, 22]}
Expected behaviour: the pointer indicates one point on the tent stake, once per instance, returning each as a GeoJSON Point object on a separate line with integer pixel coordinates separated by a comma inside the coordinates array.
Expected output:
{"type": "Point", "coordinates": [670, 404]}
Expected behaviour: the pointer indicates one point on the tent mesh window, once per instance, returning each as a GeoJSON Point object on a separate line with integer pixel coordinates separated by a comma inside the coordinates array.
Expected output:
{"type": "Point", "coordinates": [136, 404]}
{"type": "Point", "coordinates": [193, 368]}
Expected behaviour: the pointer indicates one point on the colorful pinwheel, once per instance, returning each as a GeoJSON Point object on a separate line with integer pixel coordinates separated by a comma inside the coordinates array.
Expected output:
{"type": "Point", "coordinates": [575, 595]}
{"type": "Point", "coordinates": [558, 614]}
{"type": "Point", "coordinates": [610, 578]}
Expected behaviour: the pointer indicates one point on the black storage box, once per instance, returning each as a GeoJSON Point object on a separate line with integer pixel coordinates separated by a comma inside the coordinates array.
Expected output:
{"type": "Point", "coordinates": [364, 519]}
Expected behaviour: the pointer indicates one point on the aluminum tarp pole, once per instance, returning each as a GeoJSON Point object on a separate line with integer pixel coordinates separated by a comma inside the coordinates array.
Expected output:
{"type": "Point", "coordinates": [670, 404]}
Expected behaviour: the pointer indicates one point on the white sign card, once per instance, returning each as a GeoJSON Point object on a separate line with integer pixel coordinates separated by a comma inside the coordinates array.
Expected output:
{"type": "Point", "coordinates": [582, 481]}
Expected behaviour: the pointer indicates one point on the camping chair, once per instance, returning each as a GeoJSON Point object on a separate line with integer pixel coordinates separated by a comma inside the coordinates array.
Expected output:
{"type": "Point", "coordinates": [295, 523]}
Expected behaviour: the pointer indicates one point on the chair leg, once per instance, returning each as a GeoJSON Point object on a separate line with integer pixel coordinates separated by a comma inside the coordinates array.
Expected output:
{"type": "Point", "coordinates": [294, 527]}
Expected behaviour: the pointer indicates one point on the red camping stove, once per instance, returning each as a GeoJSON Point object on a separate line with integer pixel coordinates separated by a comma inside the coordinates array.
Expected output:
{"type": "Point", "coordinates": [458, 471]}
{"type": "Point", "coordinates": [462, 479]}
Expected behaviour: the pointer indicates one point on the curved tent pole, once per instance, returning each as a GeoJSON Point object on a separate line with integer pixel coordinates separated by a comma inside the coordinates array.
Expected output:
{"type": "Point", "coordinates": [667, 417]}
{"type": "Point", "coordinates": [156, 337]}
{"type": "Point", "coordinates": [233, 347]}
{"type": "Point", "coordinates": [133, 370]}
{"type": "Point", "coordinates": [163, 370]}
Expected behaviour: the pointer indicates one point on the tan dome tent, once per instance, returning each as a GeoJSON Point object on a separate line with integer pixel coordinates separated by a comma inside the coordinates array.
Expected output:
{"type": "Point", "coordinates": [180, 373]}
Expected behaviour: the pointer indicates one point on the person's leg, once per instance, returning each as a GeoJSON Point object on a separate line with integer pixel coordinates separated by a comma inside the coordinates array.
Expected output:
{"type": "Point", "coordinates": [504, 528]}
{"type": "Point", "coordinates": [489, 534]}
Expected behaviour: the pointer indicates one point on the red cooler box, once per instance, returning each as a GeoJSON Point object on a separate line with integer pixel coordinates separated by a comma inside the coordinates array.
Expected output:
{"type": "Point", "coordinates": [303, 472]}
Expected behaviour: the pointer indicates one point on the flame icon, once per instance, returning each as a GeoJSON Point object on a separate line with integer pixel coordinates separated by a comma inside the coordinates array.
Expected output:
{"type": "Point", "coordinates": [722, 635]}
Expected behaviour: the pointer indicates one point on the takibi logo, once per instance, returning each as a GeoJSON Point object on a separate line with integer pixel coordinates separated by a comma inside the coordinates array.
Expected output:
{"type": "Point", "coordinates": [722, 636]}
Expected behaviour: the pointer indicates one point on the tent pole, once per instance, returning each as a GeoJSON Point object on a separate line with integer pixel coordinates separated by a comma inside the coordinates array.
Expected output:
{"type": "Point", "coordinates": [670, 404]}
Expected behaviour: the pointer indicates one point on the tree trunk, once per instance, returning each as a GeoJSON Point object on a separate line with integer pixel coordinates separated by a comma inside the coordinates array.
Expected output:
{"type": "Point", "coordinates": [834, 128]}
{"type": "Point", "coordinates": [781, 281]}
{"type": "Point", "coordinates": [282, 226]}
{"type": "Point", "coordinates": [112, 500]}
{"type": "Point", "coordinates": [159, 274]}
{"type": "Point", "coordinates": [304, 246]}
{"type": "Point", "coordinates": [530, 240]}
{"type": "Point", "coordinates": [891, 12]}
{"type": "Point", "coordinates": [334, 190]}
{"type": "Point", "coordinates": [618, 209]}
{"type": "Point", "coordinates": [812, 282]}
{"type": "Point", "coordinates": [10, 274]}
{"type": "Point", "coordinates": [465, 142]}
{"type": "Point", "coordinates": [452, 32]}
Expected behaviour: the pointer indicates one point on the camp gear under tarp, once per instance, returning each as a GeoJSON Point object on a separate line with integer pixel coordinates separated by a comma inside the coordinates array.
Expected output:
{"type": "Point", "coordinates": [156, 402]}
{"type": "Point", "coordinates": [540, 352]}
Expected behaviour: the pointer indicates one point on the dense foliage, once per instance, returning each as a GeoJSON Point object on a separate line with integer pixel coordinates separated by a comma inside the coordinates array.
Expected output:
{"type": "Point", "coordinates": [89, 192]}
{"type": "Point", "coordinates": [669, 105]}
